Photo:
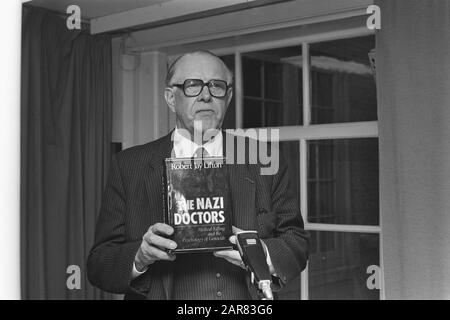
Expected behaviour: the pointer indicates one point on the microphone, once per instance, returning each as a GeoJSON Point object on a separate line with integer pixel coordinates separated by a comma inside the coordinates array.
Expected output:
{"type": "Point", "coordinates": [252, 254]}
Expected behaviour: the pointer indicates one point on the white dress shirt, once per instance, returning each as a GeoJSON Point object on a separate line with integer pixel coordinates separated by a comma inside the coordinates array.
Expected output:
{"type": "Point", "coordinates": [186, 148]}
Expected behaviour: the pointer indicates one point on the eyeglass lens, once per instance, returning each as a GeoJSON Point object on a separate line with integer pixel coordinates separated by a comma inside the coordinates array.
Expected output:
{"type": "Point", "coordinates": [193, 87]}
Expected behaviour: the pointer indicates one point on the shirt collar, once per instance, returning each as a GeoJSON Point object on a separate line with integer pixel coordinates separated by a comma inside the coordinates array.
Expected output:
{"type": "Point", "coordinates": [185, 148]}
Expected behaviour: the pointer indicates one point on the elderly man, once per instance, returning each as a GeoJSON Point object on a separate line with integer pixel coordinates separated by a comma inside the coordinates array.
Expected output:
{"type": "Point", "coordinates": [131, 254]}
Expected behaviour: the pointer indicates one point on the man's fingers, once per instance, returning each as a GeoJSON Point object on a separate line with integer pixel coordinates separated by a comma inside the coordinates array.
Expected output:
{"type": "Point", "coordinates": [220, 254]}
{"type": "Point", "coordinates": [229, 255]}
{"type": "Point", "coordinates": [161, 255]}
{"type": "Point", "coordinates": [161, 229]}
{"type": "Point", "coordinates": [265, 248]}
{"type": "Point", "coordinates": [160, 242]}
{"type": "Point", "coordinates": [233, 237]}
{"type": "Point", "coordinates": [236, 230]}
{"type": "Point", "coordinates": [152, 253]}
{"type": "Point", "coordinates": [154, 244]}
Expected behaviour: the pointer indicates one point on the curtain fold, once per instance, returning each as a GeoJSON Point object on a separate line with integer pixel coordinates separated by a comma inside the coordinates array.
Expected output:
{"type": "Point", "coordinates": [65, 151]}
{"type": "Point", "coordinates": [413, 88]}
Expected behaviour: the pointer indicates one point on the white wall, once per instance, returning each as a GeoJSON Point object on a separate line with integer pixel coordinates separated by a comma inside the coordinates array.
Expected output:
{"type": "Point", "coordinates": [10, 21]}
{"type": "Point", "coordinates": [140, 114]}
{"type": "Point", "coordinates": [413, 68]}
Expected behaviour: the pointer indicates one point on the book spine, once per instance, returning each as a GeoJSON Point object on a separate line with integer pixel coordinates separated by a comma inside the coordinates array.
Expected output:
{"type": "Point", "coordinates": [165, 183]}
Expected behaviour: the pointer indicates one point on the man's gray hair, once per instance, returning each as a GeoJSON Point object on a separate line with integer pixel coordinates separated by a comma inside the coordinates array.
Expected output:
{"type": "Point", "coordinates": [172, 68]}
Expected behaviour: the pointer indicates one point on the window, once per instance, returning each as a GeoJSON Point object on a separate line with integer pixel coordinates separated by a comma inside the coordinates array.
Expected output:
{"type": "Point", "coordinates": [343, 88]}
{"type": "Point", "coordinates": [328, 134]}
{"type": "Point", "coordinates": [271, 94]}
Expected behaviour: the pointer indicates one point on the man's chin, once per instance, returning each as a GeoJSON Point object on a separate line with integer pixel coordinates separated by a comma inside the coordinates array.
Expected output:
{"type": "Point", "coordinates": [204, 125]}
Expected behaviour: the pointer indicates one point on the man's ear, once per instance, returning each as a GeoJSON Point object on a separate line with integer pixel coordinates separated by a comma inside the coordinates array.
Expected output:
{"type": "Point", "coordinates": [170, 98]}
{"type": "Point", "coordinates": [229, 95]}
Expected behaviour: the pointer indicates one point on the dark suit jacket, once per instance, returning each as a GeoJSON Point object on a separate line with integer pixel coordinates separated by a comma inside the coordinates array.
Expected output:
{"type": "Point", "coordinates": [132, 202]}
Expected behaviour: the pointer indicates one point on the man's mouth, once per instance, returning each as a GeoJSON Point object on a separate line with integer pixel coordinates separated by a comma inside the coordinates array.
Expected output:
{"type": "Point", "coordinates": [204, 112]}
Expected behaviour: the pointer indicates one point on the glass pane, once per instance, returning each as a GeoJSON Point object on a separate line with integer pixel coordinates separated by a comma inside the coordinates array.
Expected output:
{"type": "Point", "coordinates": [273, 113]}
{"type": "Point", "coordinates": [338, 266]}
{"type": "Point", "coordinates": [343, 86]}
{"type": "Point", "coordinates": [273, 77]}
{"type": "Point", "coordinates": [252, 76]}
{"type": "Point", "coordinates": [229, 121]}
{"type": "Point", "coordinates": [253, 113]}
{"type": "Point", "coordinates": [343, 181]}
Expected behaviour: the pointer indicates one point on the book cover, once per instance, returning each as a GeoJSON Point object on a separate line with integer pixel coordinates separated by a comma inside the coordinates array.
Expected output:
{"type": "Point", "coordinates": [197, 201]}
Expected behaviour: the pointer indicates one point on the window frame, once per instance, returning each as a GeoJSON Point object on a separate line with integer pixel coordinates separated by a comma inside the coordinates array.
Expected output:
{"type": "Point", "coordinates": [307, 131]}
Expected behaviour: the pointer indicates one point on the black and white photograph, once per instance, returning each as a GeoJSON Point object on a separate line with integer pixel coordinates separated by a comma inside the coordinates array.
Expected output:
{"type": "Point", "coordinates": [240, 151]}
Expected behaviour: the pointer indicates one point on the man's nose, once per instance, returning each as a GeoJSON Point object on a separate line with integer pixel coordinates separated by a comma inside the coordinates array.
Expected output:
{"type": "Point", "coordinates": [204, 95]}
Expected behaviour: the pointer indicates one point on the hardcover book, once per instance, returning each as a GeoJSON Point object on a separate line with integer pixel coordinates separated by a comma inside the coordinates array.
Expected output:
{"type": "Point", "coordinates": [197, 203]}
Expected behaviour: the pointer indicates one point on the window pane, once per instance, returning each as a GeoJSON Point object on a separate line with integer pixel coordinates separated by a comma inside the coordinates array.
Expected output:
{"type": "Point", "coordinates": [274, 77]}
{"type": "Point", "coordinates": [229, 121]}
{"type": "Point", "coordinates": [253, 113]}
{"type": "Point", "coordinates": [273, 113]}
{"type": "Point", "coordinates": [338, 266]}
{"type": "Point", "coordinates": [252, 76]}
{"type": "Point", "coordinates": [273, 74]}
{"type": "Point", "coordinates": [343, 181]}
{"type": "Point", "coordinates": [343, 87]}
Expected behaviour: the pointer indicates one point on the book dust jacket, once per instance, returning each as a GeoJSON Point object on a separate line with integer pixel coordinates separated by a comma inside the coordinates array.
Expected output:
{"type": "Point", "coordinates": [197, 203]}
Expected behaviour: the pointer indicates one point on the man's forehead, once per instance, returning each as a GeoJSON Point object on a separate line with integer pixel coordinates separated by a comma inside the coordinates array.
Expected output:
{"type": "Point", "coordinates": [199, 57]}
{"type": "Point", "coordinates": [200, 65]}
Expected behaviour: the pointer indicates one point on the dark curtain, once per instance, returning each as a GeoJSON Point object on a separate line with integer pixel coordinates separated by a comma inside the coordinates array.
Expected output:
{"type": "Point", "coordinates": [65, 145]}
{"type": "Point", "coordinates": [413, 88]}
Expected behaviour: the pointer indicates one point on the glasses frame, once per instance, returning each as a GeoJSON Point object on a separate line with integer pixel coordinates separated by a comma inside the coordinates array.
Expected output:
{"type": "Point", "coordinates": [208, 83]}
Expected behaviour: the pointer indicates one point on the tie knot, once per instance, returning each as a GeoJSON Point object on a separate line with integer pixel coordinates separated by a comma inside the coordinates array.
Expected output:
{"type": "Point", "coordinates": [201, 153]}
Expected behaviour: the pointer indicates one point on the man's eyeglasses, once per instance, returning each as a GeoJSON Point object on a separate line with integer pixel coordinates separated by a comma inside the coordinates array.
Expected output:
{"type": "Point", "coordinates": [193, 87]}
